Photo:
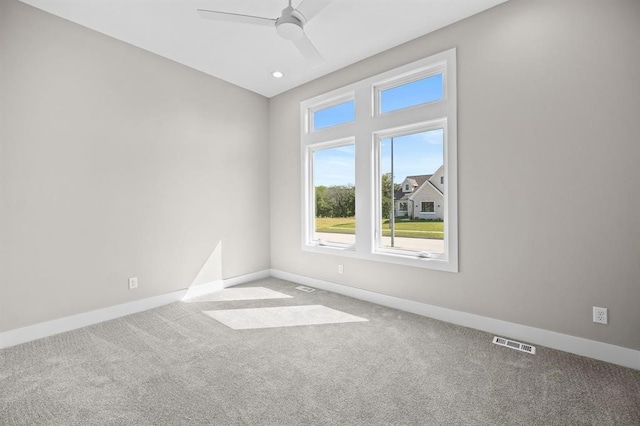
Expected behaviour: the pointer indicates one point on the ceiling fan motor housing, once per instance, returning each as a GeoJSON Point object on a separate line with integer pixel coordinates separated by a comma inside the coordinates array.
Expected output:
{"type": "Point", "coordinates": [288, 26]}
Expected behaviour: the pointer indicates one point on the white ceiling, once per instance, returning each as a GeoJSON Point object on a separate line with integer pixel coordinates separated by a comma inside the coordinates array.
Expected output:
{"type": "Point", "coordinates": [345, 32]}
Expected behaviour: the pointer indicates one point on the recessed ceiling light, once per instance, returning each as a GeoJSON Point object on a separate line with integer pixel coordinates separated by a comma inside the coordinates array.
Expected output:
{"type": "Point", "coordinates": [277, 74]}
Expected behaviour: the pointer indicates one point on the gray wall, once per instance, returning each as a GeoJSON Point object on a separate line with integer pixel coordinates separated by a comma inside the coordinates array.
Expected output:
{"type": "Point", "coordinates": [115, 163]}
{"type": "Point", "coordinates": [118, 163]}
{"type": "Point", "coordinates": [549, 168]}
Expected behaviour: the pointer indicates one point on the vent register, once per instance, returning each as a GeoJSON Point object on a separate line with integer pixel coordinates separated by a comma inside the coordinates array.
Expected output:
{"type": "Point", "coordinates": [522, 347]}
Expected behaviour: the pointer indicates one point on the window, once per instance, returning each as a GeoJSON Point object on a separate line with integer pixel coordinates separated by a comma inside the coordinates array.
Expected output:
{"type": "Point", "coordinates": [376, 155]}
{"type": "Point", "coordinates": [423, 90]}
{"type": "Point", "coordinates": [334, 194]}
{"type": "Point", "coordinates": [428, 207]}
{"type": "Point", "coordinates": [417, 156]}
{"type": "Point", "coordinates": [333, 115]}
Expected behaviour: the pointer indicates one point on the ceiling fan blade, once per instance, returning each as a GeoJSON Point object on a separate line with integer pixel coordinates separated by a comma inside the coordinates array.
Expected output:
{"type": "Point", "coordinates": [308, 50]}
{"type": "Point", "coordinates": [234, 17]}
{"type": "Point", "coordinates": [310, 8]}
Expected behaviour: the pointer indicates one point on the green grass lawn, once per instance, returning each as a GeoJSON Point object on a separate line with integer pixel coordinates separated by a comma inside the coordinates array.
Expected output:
{"type": "Point", "coordinates": [410, 229]}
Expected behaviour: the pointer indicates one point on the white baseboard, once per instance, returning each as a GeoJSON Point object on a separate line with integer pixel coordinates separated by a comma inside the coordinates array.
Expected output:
{"type": "Point", "coordinates": [243, 279]}
{"type": "Point", "coordinates": [61, 325]}
{"type": "Point", "coordinates": [564, 342]}
{"type": "Point", "coordinates": [202, 289]}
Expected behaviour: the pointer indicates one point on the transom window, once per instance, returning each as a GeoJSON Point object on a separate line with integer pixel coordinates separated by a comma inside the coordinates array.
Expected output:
{"type": "Point", "coordinates": [416, 92]}
{"type": "Point", "coordinates": [375, 159]}
{"type": "Point", "coordinates": [333, 115]}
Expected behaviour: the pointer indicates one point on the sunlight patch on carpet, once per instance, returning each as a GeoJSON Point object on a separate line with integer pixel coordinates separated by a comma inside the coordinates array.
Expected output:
{"type": "Point", "coordinates": [245, 293]}
{"type": "Point", "coordinates": [284, 316]}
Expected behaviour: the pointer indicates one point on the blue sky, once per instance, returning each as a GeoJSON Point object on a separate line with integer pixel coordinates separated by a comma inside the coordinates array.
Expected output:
{"type": "Point", "coordinates": [337, 114]}
{"type": "Point", "coordinates": [415, 154]}
{"type": "Point", "coordinates": [335, 166]}
{"type": "Point", "coordinates": [417, 92]}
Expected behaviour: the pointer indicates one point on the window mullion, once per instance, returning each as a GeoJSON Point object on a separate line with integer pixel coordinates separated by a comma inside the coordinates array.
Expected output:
{"type": "Point", "coordinates": [364, 171]}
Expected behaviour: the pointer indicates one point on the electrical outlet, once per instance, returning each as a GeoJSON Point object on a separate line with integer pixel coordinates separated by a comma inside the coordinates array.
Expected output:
{"type": "Point", "coordinates": [341, 269]}
{"type": "Point", "coordinates": [133, 283]}
{"type": "Point", "coordinates": [600, 315]}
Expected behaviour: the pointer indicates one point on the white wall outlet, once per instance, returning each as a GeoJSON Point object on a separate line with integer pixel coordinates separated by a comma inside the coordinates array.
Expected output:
{"type": "Point", "coordinates": [133, 283]}
{"type": "Point", "coordinates": [341, 269]}
{"type": "Point", "coordinates": [600, 315]}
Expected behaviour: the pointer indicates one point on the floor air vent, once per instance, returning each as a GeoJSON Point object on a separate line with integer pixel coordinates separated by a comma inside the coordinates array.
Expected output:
{"type": "Point", "coordinates": [305, 288]}
{"type": "Point", "coordinates": [522, 347]}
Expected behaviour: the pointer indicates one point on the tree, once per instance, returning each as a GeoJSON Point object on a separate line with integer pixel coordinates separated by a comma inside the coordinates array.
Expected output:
{"type": "Point", "coordinates": [342, 200]}
{"type": "Point", "coordinates": [335, 201]}
{"type": "Point", "coordinates": [386, 195]}
{"type": "Point", "coordinates": [323, 208]}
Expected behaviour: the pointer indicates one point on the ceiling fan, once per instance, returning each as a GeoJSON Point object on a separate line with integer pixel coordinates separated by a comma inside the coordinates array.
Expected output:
{"type": "Point", "coordinates": [289, 25]}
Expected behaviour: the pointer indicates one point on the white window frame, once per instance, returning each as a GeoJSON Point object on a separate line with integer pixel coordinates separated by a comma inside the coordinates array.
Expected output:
{"type": "Point", "coordinates": [406, 78]}
{"type": "Point", "coordinates": [368, 128]}
{"type": "Point", "coordinates": [309, 209]}
{"type": "Point", "coordinates": [328, 103]}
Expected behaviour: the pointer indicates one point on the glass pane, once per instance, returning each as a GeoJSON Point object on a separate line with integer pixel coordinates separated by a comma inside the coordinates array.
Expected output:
{"type": "Point", "coordinates": [417, 92]}
{"type": "Point", "coordinates": [334, 115]}
{"type": "Point", "coordinates": [334, 174]}
{"type": "Point", "coordinates": [413, 212]}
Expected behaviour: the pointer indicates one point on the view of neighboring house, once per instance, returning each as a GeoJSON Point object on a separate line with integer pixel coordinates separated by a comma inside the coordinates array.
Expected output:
{"type": "Point", "coordinates": [421, 196]}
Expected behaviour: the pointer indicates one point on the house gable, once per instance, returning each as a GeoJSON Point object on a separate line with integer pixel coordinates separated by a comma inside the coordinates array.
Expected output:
{"type": "Point", "coordinates": [437, 179]}
{"type": "Point", "coordinates": [418, 189]}
{"type": "Point", "coordinates": [427, 193]}
{"type": "Point", "coordinates": [411, 183]}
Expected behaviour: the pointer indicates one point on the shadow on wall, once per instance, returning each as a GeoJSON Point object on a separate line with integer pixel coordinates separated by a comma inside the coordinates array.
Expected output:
{"type": "Point", "coordinates": [210, 275]}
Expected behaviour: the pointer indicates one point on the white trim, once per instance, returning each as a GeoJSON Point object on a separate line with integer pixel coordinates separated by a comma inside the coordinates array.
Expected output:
{"type": "Point", "coordinates": [73, 322]}
{"type": "Point", "coordinates": [564, 342]}
{"type": "Point", "coordinates": [247, 278]}
{"type": "Point", "coordinates": [326, 104]}
{"type": "Point", "coordinates": [61, 325]}
{"type": "Point", "coordinates": [409, 77]}
{"type": "Point", "coordinates": [368, 127]}
{"type": "Point", "coordinates": [577, 345]}
{"type": "Point", "coordinates": [202, 289]}
{"type": "Point", "coordinates": [409, 258]}
{"type": "Point", "coordinates": [308, 188]}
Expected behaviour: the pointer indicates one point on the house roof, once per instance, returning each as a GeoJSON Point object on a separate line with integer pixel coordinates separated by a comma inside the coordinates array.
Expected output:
{"type": "Point", "coordinates": [400, 196]}
{"type": "Point", "coordinates": [418, 179]}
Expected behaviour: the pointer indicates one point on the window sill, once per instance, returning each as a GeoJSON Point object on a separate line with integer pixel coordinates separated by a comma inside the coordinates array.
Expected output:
{"type": "Point", "coordinates": [415, 259]}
